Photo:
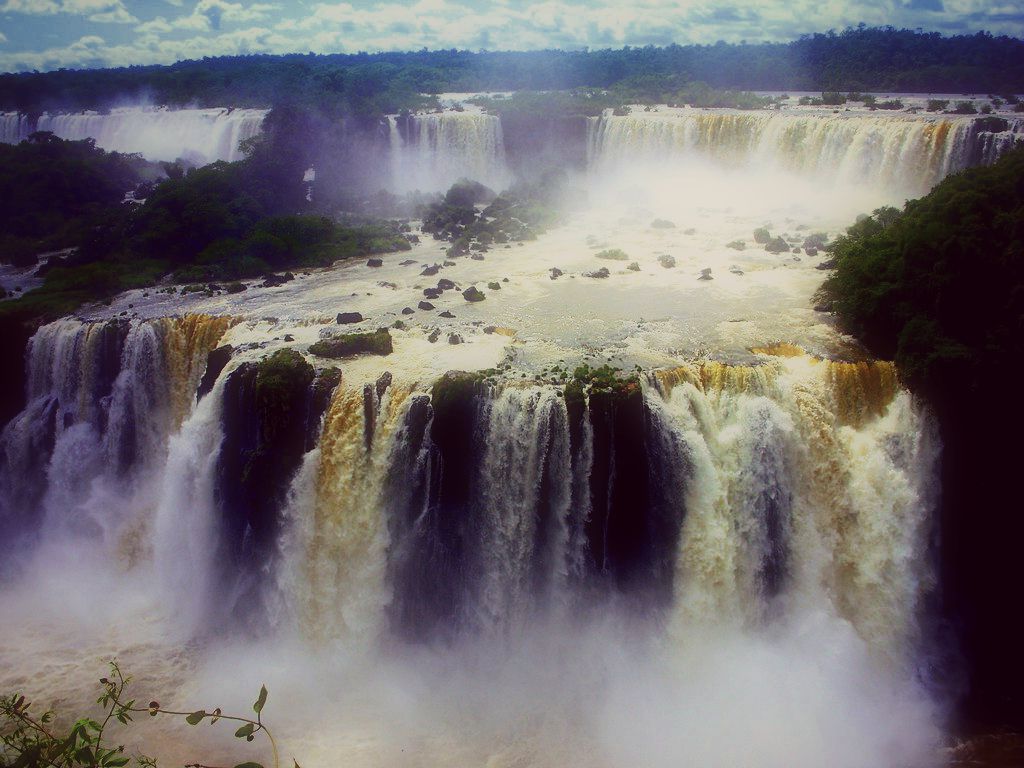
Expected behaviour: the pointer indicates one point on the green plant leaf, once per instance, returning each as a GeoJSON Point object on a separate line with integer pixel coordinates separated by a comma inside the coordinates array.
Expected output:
{"type": "Point", "coordinates": [258, 706]}
{"type": "Point", "coordinates": [196, 717]}
{"type": "Point", "coordinates": [245, 730]}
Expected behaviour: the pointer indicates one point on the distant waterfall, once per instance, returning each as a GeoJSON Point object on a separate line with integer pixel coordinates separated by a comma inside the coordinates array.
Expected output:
{"type": "Point", "coordinates": [896, 151]}
{"type": "Point", "coordinates": [199, 135]}
{"type": "Point", "coordinates": [430, 152]}
{"type": "Point", "coordinates": [704, 494]}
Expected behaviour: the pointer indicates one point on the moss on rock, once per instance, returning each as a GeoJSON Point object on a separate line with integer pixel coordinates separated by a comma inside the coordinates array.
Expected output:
{"type": "Point", "coordinates": [351, 344]}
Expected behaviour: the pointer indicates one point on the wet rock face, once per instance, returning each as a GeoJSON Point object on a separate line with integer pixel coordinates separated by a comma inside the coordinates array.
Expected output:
{"type": "Point", "coordinates": [263, 417]}
{"type": "Point", "coordinates": [215, 363]}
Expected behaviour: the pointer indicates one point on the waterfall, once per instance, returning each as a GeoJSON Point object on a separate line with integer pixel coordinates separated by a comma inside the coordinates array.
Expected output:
{"type": "Point", "coordinates": [199, 135]}
{"type": "Point", "coordinates": [102, 399]}
{"type": "Point", "coordinates": [891, 151]}
{"type": "Point", "coordinates": [706, 494]}
{"type": "Point", "coordinates": [432, 151]}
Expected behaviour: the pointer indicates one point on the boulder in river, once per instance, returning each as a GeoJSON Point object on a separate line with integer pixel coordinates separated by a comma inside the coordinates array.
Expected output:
{"type": "Point", "coordinates": [473, 294]}
{"type": "Point", "coordinates": [347, 318]}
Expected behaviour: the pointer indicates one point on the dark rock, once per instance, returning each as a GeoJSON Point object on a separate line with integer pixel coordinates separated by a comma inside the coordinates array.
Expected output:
{"type": "Point", "coordinates": [432, 270]}
{"type": "Point", "coordinates": [668, 262]}
{"type": "Point", "coordinates": [473, 294]}
{"type": "Point", "coordinates": [826, 264]}
{"type": "Point", "coordinates": [383, 382]}
{"type": "Point", "coordinates": [347, 318]}
{"type": "Point", "coordinates": [761, 235]}
{"type": "Point", "coordinates": [407, 262]}
{"type": "Point", "coordinates": [601, 273]}
{"type": "Point", "coordinates": [432, 293]}
{"type": "Point", "coordinates": [446, 314]}
{"type": "Point", "coordinates": [494, 286]}
{"type": "Point", "coordinates": [633, 267]}
{"type": "Point", "coordinates": [408, 311]}
{"type": "Point", "coordinates": [375, 262]}
{"type": "Point", "coordinates": [705, 274]}
{"type": "Point", "coordinates": [445, 285]}
{"type": "Point", "coordinates": [776, 245]}
{"type": "Point", "coordinates": [556, 273]}
{"type": "Point", "coordinates": [477, 257]}
{"type": "Point", "coordinates": [273, 281]}
{"type": "Point", "coordinates": [215, 362]}
{"type": "Point", "coordinates": [425, 305]}
{"type": "Point", "coordinates": [350, 344]}
{"type": "Point", "coordinates": [454, 338]}
{"type": "Point", "coordinates": [434, 336]}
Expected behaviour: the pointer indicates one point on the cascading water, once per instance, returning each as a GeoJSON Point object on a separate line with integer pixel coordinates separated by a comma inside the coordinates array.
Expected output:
{"type": "Point", "coordinates": [702, 499]}
{"type": "Point", "coordinates": [199, 135]}
{"type": "Point", "coordinates": [792, 480]}
{"type": "Point", "coordinates": [725, 564]}
{"type": "Point", "coordinates": [891, 151]}
{"type": "Point", "coordinates": [103, 400]}
{"type": "Point", "coordinates": [432, 151]}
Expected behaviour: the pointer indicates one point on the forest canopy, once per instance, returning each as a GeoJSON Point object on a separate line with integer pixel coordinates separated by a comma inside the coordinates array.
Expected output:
{"type": "Point", "coordinates": [367, 84]}
{"type": "Point", "coordinates": [940, 285]}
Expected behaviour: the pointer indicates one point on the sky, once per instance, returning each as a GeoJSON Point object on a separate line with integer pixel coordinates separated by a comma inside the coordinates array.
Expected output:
{"type": "Point", "coordinates": [50, 34]}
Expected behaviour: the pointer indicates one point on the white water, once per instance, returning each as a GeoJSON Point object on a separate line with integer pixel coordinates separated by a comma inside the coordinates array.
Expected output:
{"type": "Point", "coordinates": [907, 153]}
{"type": "Point", "coordinates": [822, 672]}
{"type": "Point", "coordinates": [442, 148]}
{"type": "Point", "coordinates": [199, 135]}
{"type": "Point", "coordinates": [795, 625]}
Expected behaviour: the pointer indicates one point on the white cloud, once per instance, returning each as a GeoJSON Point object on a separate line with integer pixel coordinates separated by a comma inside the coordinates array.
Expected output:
{"type": "Point", "coordinates": [39, 7]}
{"type": "Point", "coordinates": [102, 11]}
{"type": "Point", "coordinates": [3, 37]}
{"type": "Point", "coordinates": [224, 27]}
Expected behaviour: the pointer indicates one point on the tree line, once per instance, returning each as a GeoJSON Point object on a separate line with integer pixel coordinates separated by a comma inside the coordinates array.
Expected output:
{"type": "Point", "coordinates": [370, 84]}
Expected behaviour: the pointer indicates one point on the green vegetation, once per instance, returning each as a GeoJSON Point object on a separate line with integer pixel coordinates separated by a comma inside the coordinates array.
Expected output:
{"type": "Point", "coordinates": [644, 89]}
{"type": "Point", "coordinates": [351, 344]}
{"type": "Point", "coordinates": [224, 221]}
{"type": "Point", "coordinates": [613, 254]}
{"type": "Point", "coordinates": [53, 190]}
{"type": "Point", "coordinates": [939, 287]}
{"type": "Point", "coordinates": [365, 86]}
{"type": "Point", "coordinates": [28, 740]}
{"type": "Point", "coordinates": [514, 216]}
{"type": "Point", "coordinates": [279, 379]}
